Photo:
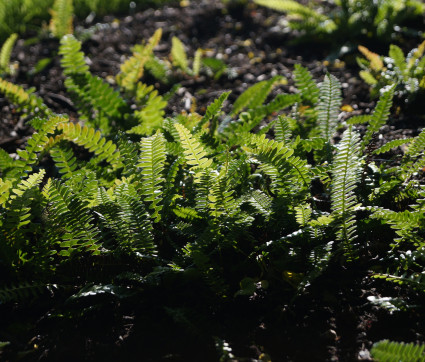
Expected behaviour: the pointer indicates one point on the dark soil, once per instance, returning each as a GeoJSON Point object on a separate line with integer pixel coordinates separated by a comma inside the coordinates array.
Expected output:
{"type": "Point", "coordinates": [333, 321]}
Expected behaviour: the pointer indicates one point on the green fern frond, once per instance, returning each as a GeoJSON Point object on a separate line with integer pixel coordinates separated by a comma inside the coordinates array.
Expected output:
{"type": "Point", "coordinates": [359, 119]}
{"type": "Point", "coordinates": [304, 82]}
{"type": "Point", "coordinates": [255, 95]}
{"type": "Point", "coordinates": [24, 99]}
{"type": "Point", "coordinates": [5, 52]}
{"type": "Point", "coordinates": [282, 129]}
{"type": "Point", "coordinates": [329, 105]}
{"type": "Point", "coordinates": [71, 215]}
{"type": "Point", "coordinates": [212, 110]}
{"type": "Point", "coordinates": [151, 162]}
{"type": "Point", "coordinates": [133, 223]}
{"type": "Point", "coordinates": [152, 113]}
{"type": "Point", "coordinates": [346, 173]}
{"type": "Point", "coordinates": [64, 159]}
{"type": "Point", "coordinates": [417, 146]}
{"type": "Point", "coordinates": [37, 143]}
{"type": "Point", "coordinates": [196, 67]}
{"type": "Point", "coordinates": [61, 21]}
{"type": "Point", "coordinates": [293, 7]}
{"type": "Point", "coordinates": [380, 114]}
{"type": "Point", "coordinates": [6, 162]}
{"type": "Point", "coordinates": [280, 102]}
{"type": "Point", "coordinates": [392, 144]}
{"type": "Point", "coordinates": [72, 60]}
{"type": "Point", "coordinates": [178, 54]}
{"type": "Point", "coordinates": [23, 291]}
{"type": "Point", "coordinates": [303, 214]}
{"type": "Point", "coordinates": [386, 350]}
{"type": "Point", "coordinates": [279, 162]}
{"type": "Point", "coordinates": [399, 59]}
{"type": "Point", "coordinates": [261, 202]}
{"type": "Point", "coordinates": [91, 140]}
{"type": "Point", "coordinates": [193, 150]}
{"type": "Point", "coordinates": [5, 186]}
{"type": "Point", "coordinates": [133, 68]}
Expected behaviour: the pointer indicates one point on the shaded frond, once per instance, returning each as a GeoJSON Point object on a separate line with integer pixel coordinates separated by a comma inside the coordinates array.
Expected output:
{"type": "Point", "coordinates": [345, 175]}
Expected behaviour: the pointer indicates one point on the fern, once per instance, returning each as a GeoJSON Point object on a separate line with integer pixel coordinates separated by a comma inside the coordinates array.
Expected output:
{"type": "Point", "coordinates": [380, 115]}
{"type": "Point", "coordinates": [392, 144]}
{"type": "Point", "coordinates": [152, 164]}
{"type": "Point", "coordinates": [64, 159]}
{"type": "Point", "coordinates": [255, 95]}
{"type": "Point", "coordinates": [72, 216]}
{"type": "Point", "coordinates": [72, 60]}
{"type": "Point", "coordinates": [23, 291]}
{"type": "Point", "coordinates": [5, 52]}
{"type": "Point", "coordinates": [306, 85]}
{"type": "Point", "coordinates": [178, 54]}
{"type": "Point", "coordinates": [328, 107]}
{"type": "Point", "coordinates": [345, 173]}
{"type": "Point", "coordinates": [212, 111]}
{"type": "Point", "coordinates": [93, 141]}
{"type": "Point", "coordinates": [133, 68]}
{"type": "Point", "coordinates": [24, 99]}
{"type": "Point", "coordinates": [193, 151]}
{"type": "Point", "coordinates": [386, 350]}
{"type": "Point", "coordinates": [61, 21]}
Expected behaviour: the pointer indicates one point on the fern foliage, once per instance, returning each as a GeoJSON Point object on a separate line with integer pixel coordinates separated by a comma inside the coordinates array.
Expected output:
{"type": "Point", "coordinates": [386, 350]}
{"type": "Point", "coordinates": [346, 173]}
{"type": "Point", "coordinates": [5, 53]}
{"type": "Point", "coordinates": [61, 21]}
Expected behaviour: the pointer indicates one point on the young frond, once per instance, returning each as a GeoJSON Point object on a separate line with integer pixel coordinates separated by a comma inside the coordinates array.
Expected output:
{"type": "Point", "coordinates": [24, 99]}
{"type": "Point", "coordinates": [212, 111]}
{"type": "Point", "coordinates": [72, 60]}
{"type": "Point", "coordinates": [5, 52]}
{"type": "Point", "coordinates": [345, 175]}
{"type": "Point", "coordinates": [392, 144]}
{"type": "Point", "coordinates": [328, 107]}
{"type": "Point", "coordinates": [151, 162]}
{"type": "Point", "coordinates": [61, 21]}
{"type": "Point", "coordinates": [178, 54]}
{"type": "Point", "coordinates": [132, 69]}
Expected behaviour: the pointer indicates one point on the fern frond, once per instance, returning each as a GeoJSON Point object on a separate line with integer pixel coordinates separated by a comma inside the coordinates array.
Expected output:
{"type": "Point", "coordinates": [255, 95]}
{"type": "Point", "coordinates": [392, 144]}
{"type": "Point", "coordinates": [152, 113]}
{"type": "Point", "coordinates": [193, 150]}
{"type": "Point", "coordinates": [178, 54]}
{"type": "Point", "coordinates": [375, 60]}
{"type": "Point", "coordinates": [417, 146]}
{"type": "Point", "coordinates": [212, 110]}
{"type": "Point", "coordinates": [386, 350]}
{"type": "Point", "coordinates": [196, 67]}
{"type": "Point", "coordinates": [22, 291]}
{"type": "Point", "coordinates": [346, 173]}
{"type": "Point", "coordinates": [71, 215]}
{"type": "Point", "coordinates": [5, 186]}
{"type": "Point", "coordinates": [293, 7]}
{"type": "Point", "coordinates": [397, 56]}
{"type": "Point", "coordinates": [261, 202]}
{"type": "Point", "coordinates": [279, 162]}
{"type": "Point", "coordinates": [360, 119]}
{"type": "Point", "coordinates": [307, 87]}
{"type": "Point", "coordinates": [132, 69]}
{"type": "Point", "coordinates": [151, 162]}
{"type": "Point", "coordinates": [24, 99]}
{"type": "Point", "coordinates": [72, 60]}
{"type": "Point", "coordinates": [91, 140]}
{"type": "Point", "coordinates": [5, 52]}
{"type": "Point", "coordinates": [282, 129]}
{"type": "Point", "coordinates": [61, 21]}
{"type": "Point", "coordinates": [64, 159]}
{"type": "Point", "coordinates": [380, 114]}
{"type": "Point", "coordinates": [37, 143]}
{"type": "Point", "coordinates": [133, 223]}
{"type": "Point", "coordinates": [329, 105]}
